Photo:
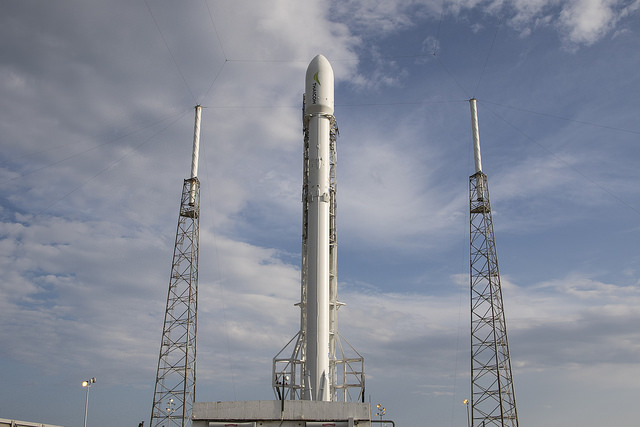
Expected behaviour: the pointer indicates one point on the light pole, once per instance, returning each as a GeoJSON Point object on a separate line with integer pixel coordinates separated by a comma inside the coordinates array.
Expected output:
{"type": "Point", "coordinates": [87, 384]}
{"type": "Point", "coordinates": [381, 411]}
{"type": "Point", "coordinates": [466, 402]}
{"type": "Point", "coordinates": [285, 382]}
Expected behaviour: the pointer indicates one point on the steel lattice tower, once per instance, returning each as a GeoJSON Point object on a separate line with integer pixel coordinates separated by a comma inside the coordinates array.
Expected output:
{"type": "Point", "coordinates": [493, 401]}
{"type": "Point", "coordinates": [176, 375]}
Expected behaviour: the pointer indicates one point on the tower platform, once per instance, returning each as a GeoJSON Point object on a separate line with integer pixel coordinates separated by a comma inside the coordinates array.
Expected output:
{"type": "Point", "coordinates": [270, 413]}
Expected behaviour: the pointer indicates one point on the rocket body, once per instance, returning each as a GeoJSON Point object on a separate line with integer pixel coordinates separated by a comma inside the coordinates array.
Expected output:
{"type": "Point", "coordinates": [319, 106]}
{"type": "Point", "coordinates": [313, 365]}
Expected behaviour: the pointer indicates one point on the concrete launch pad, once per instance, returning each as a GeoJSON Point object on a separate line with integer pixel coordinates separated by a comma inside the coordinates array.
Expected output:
{"type": "Point", "coordinates": [269, 413]}
{"type": "Point", "coordinates": [14, 423]}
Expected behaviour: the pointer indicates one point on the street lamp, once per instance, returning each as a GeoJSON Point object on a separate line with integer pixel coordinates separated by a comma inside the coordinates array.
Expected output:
{"type": "Point", "coordinates": [87, 384]}
{"type": "Point", "coordinates": [466, 402]}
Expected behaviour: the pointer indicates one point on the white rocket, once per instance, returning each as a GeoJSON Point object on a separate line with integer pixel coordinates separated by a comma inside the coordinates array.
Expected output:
{"type": "Point", "coordinates": [314, 365]}
{"type": "Point", "coordinates": [318, 111]}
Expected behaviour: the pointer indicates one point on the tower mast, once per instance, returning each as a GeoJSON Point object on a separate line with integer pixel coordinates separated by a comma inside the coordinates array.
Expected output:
{"type": "Point", "coordinates": [175, 386]}
{"type": "Point", "coordinates": [493, 401]}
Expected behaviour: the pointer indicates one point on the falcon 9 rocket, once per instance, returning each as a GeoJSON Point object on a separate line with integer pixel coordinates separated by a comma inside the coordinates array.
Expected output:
{"type": "Point", "coordinates": [318, 111]}
{"type": "Point", "coordinates": [314, 365]}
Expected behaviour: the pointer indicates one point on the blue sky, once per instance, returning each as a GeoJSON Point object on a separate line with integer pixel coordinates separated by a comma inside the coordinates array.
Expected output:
{"type": "Point", "coordinates": [96, 122]}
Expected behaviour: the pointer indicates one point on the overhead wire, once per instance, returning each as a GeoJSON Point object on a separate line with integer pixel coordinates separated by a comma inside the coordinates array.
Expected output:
{"type": "Point", "coordinates": [355, 104]}
{"type": "Point", "coordinates": [565, 163]}
{"type": "Point", "coordinates": [110, 165]}
{"type": "Point", "coordinates": [224, 53]}
{"type": "Point", "coordinates": [436, 43]}
{"type": "Point", "coordinates": [218, 270]}
{"type": "Point", "coordinates": [81, 152]}
{"type": "Point", "coordinates": [306, 61]}
{"type": "Point", "coordinates": [486, 61]}
{"type": "Point", "coordinates": [583, 122]}
{"type": "Point", "coordinates": [215, 78]}
{"type": "Point", "coordinates": [450, 74]}
{"type": "Point", "coordinates": [215, 30]}
{"type": "Point", "coordinates": [170, 53]}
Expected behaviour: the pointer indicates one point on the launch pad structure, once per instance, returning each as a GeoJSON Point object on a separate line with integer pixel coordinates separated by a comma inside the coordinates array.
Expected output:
{"type": "Point", "coordinates": [270, 413]}
{"type": "Point", "coordinates": [317, 380]}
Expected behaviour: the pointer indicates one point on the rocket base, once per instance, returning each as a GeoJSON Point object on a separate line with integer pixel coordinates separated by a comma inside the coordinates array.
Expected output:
{"type": "Point", "coordinates": [270, 413]}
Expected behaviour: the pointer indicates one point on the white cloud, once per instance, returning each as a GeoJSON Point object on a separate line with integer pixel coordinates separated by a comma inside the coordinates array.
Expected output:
{"type": "Point", "coordinates": [383, 16]}
{"type": "Point", "coordinates": [586, 21]}
{"type": "Point", "coordinates": [580, 22]}
{"type": "Point", "coordinates": [390, 184]}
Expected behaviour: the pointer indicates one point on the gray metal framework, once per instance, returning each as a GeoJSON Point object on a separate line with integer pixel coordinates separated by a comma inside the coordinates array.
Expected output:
{"type": "Point", "coordinates": [493, 401]}
{"type": "Point", "coordinates": [346, 365]}
{"type": "Point", "coordinates": [176, 376]}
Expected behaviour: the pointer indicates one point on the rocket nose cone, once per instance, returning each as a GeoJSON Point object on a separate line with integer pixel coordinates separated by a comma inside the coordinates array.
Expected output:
{"type": "Point", "coordinates": [319, 86]}
{"type": "Point", "coordinates": [319, 61]}
{"type": "Point", "coordinates": [320, 65]}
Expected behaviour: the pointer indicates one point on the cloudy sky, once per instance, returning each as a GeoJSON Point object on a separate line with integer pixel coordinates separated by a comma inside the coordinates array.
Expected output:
{"type": "Point", "coordinates": [96, 124]}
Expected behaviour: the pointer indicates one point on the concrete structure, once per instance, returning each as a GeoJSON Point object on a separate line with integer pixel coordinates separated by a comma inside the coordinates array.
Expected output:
{"type": "Point", "coordinates": [13, 423]}
{"type": "Point", "coordinates": [272, 413]}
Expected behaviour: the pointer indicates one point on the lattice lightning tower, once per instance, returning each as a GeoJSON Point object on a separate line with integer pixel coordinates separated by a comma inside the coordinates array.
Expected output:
{"type": "Point", "coordinates": [176, 376]}
{"type": "Point", "coordinates": [493, 401]}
